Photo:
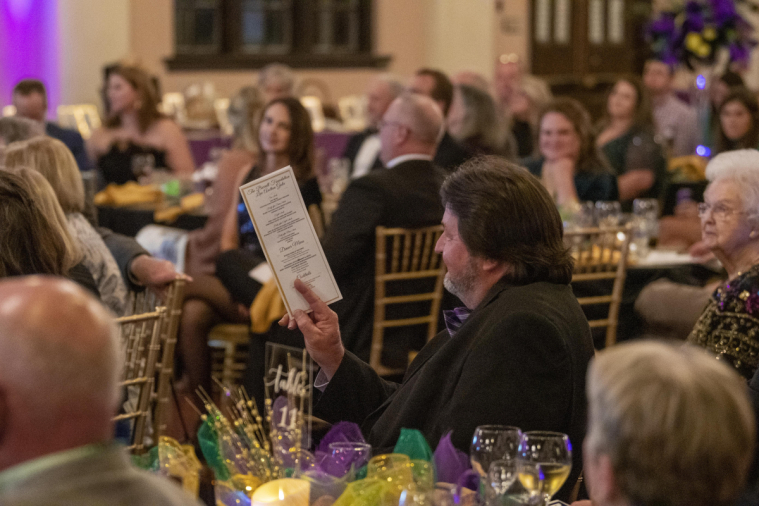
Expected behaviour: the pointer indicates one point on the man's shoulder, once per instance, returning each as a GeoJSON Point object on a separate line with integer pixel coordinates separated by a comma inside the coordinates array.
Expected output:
{"type": "Point", "coordinates": [65, 135]}
{"type": "Point", "coordinates": [410, 170]}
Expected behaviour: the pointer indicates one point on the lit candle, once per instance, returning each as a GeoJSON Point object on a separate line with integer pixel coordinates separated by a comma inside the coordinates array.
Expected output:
{"type": "Point", "coordinates": [285, 492]}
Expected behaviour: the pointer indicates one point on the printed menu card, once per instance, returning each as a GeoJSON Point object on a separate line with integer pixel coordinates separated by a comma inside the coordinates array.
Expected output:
{"type": "Point", "coordinates": [288, 238]}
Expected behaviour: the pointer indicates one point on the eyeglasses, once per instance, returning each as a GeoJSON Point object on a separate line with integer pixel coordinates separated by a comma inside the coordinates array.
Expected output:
{"type": "Point", "coordinates": [719, 211]}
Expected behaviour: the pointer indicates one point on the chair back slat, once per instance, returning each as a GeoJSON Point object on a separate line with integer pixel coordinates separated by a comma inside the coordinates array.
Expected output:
{"type": "Point", "coordinates": [411, 257]}
{"type": "Point", "coordinates": [141, 339]}
{"type": "Point", "coordinates": [601, 254]}
{"type": "Point", "coordinates": [149, 334]}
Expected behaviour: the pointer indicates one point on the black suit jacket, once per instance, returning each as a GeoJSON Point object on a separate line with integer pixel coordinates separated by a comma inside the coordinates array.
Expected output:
{"type": "Point", "coordinates": [354, 146]}
{"type": "Point", "coordinates": [450, 154]}
{"type": "Point", "coordinates": [405, 196]}
{"type": "Point", "coordinates": [73, 141]}
{"type": "Point", "coordinates": [519, 359]}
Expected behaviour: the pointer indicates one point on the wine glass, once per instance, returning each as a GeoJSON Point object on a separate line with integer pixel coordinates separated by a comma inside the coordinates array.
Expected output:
{"type": "Point", "coordinates": [491, 443]}
{"type": "Point", "coordinates": [648, 210]}
{"type": "Point", "coordinates": [501, 475]}
{"type": "Point", "coordinates": [346, 456]}
{"type": "Point", "coordinates": [544, 460]}
{"type": "Point", "coordinates": [608, 214]}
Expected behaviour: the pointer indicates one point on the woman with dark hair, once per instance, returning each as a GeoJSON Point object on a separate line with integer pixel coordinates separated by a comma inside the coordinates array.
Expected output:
{"type": "Point", "coordinates": [136, 136]}
{"type": "Point", "coordinates": [738, 122]}
{"type": "Point", "coordinates": [569, 165]}
{"type": "Point", "coordinates": [285, 138]}
{"type": "Point", "coordinates": [626, 138]}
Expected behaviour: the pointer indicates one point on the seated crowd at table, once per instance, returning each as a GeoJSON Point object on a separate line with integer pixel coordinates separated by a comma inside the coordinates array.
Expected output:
{"type": "Point", "coordinates": [506, 170]}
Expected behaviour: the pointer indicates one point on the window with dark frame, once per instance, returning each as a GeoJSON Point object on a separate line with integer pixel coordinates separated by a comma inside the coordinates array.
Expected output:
{"type": "Point", "coordinates": [218, 34]}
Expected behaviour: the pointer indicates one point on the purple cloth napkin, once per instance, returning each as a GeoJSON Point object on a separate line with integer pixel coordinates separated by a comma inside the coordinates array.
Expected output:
{"type": "Point", "coordinates": [450, 463]}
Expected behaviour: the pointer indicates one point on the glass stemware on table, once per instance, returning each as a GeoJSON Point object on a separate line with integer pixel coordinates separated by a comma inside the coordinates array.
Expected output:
{"type": "Point", "coordinates": [493, 456]}
{"type": "Point", "coordinates": [544, 460]}
{"type": "Point", "coordinates": [608, 214]}
{"type": "Point", "coordinates": [645, 226]}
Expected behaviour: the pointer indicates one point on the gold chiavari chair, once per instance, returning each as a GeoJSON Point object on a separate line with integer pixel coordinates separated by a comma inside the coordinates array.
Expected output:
{"type": "Point", "coordinates": [228, 343]}
{"type": "Point", "coordinates": [141, 341]}
{"type": "Point", "coordinates": [147, 302]}
{"type": "Point", "coordinates": [165, 368]}
{"type": "Point", "coordinates": [403, 255]}
{"type": "Point", "coordinates": [600, 254]}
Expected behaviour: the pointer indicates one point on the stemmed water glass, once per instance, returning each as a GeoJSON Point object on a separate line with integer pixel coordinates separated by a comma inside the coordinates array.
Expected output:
{"type": "Point", "coordinates": [491, 443]}
{"type": "Point", "coordinates": [608, 214]}
{"type": "Point", "coordinates": [544, 460]}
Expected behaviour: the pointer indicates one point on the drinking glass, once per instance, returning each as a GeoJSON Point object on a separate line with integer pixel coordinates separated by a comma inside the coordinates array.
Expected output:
{"type": "Point", "coordinates": [544, 460]}
{"type": "Point", "coordinates": [491, 443]}
{"type": "Point", "coordinates": [648, 210]}
{"type": "Point", "coordinates": [339, 170]}
{"type": "Point", "coordinates": [501, 475]}
{"type": "Point", "coordinates": [608, 214]}
{"type": "Point", "coordinates": [347, 455]}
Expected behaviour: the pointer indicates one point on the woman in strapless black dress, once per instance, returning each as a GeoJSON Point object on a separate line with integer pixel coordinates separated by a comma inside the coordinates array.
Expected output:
{"type": "Point", "coordinates": [135, 136]}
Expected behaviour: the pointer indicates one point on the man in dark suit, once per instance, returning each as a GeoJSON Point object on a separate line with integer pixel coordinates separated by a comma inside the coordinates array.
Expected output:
{"type": "Point", "coordinates": [58, 393]}
{"type": "Point", "coordinates": [363, 148]}
{"type": "Point", "coordinates": [435, 84]}
{"type": "Point", "coordinates": [403, 195]}
{"type": "Point", "coordinates": [517, 354]}
{"type": "Point", "coordinates": [30, 101]}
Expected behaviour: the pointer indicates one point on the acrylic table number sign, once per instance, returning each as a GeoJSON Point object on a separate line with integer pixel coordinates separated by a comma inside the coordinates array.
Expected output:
{"type": "Point", "coordinates": [289, 402]}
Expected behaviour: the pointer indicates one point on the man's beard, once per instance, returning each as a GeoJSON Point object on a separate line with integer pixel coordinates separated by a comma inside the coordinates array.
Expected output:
{"type": "Point", "coordinates": [464, 283]}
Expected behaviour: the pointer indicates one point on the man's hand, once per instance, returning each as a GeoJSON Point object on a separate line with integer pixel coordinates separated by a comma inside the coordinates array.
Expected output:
{"type": "Point", "coordinates": [154, 273]}
{"type": "Point", "coordinates": [321, 330]}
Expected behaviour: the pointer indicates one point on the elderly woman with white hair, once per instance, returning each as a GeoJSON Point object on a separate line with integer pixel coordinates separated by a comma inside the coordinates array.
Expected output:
{"type": "Point", "coordinates": [729, 325]}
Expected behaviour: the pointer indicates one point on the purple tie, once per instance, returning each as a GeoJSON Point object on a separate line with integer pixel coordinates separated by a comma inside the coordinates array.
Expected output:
{"type": "Point", "coordinates": [455, 318]}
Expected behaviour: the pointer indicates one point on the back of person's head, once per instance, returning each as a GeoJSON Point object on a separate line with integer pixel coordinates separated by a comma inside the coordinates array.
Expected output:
{"type": "Point", "coordinates": [276, 80]}
{"type": "Point", "coordinates": [31, 244]}
{"type": "Point", "coordinates": [44, 196]}
{"type": "Point", "coordinates": [442, 91]}
{"type": "Point", "coordinates": [674, 426]}
{"type": "Point", "coordinates": [147, 95]}
{"type": "Point", "coordinates": [244, 114]}
{"type": "Point", "coordinates": [579, 116]}
{"type": "Point", "coordinates": [51, 158]}
{"type": "Point", "coordinates": [301, 147]}
{"type": "Point", "coordinates": [15, 129]}
{"type": "Point", "coordinates": [420, 115]}
{"type": "Point", "coordinates": [505, 214]}
{"type": "Point", "coordinates": [748, 100]}
{"type": "Point", "coordinates": [60, 363]}
{"type": "Point", "coordinates": [480, 126]}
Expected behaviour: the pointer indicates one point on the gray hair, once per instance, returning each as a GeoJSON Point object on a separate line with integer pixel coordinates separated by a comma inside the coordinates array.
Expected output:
{"type": "Point", "coordinates": [676, 424]}
{"type": "Point", "coordinates": [481, 120]}
{"type": "Point", "coordinates": [742, 167]}
{"type": "Point", "coordinates": [15, 128]}
{"type": "Point", "coordinates": [422, 116]}
{"type": "Point", "coordinates": [277, 72]}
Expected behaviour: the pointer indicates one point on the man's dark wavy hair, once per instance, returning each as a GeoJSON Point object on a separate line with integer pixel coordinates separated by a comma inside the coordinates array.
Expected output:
{"type": "Point", "coordinates": [505, 214]}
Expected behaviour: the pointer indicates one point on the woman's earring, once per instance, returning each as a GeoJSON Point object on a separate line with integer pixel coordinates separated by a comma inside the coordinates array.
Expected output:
{"type": "Point", "coordinates": [752, 235]}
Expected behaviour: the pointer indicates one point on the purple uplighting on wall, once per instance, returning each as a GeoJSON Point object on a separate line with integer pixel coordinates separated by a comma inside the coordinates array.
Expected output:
{"type": "Point", "coordinates": [29, 47]}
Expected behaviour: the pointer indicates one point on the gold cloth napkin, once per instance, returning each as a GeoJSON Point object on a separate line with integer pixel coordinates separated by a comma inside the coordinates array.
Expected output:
{"type": "Point", "coordinates": [267, 307]}
{"type": "Point", "coordinates": [129, 193]}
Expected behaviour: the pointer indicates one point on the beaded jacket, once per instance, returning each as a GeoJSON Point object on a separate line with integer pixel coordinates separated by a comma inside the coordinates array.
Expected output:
{"type": "Point", "coordinates": [729, 325]}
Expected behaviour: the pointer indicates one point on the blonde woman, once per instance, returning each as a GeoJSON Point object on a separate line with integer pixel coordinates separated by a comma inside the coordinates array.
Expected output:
{"type": "Point", "coordinates": [51, 158]}
{"type": "Point", "coordinates": [45, 198]}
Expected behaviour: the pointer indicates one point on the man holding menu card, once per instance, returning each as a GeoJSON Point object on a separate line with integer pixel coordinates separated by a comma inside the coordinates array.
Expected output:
{"type": "Point", "coordinates": [515, 355]}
